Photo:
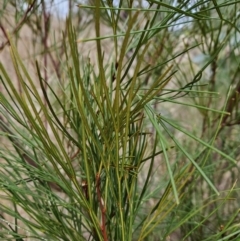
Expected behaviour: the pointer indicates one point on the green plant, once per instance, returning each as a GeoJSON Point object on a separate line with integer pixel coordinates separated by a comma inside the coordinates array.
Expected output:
{"type": "Point", "coordinates": [99, 155]}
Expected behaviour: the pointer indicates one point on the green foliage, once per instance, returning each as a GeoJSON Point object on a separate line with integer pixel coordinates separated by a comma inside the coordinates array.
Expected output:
{"type": "Point", "coordinates": [126, 146]}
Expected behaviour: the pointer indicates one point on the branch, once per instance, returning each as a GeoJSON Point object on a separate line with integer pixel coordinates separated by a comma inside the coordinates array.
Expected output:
{"type": "Point", "coordinates": [18, 27]}
{"type": "Point", "coordinates": [19, 148]}
{"type": "Point", "coordinates": [102, 208]}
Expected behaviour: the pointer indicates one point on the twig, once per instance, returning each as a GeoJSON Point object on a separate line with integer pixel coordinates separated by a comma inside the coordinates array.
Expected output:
{"type": "Point", "coordinates": [212, 83]}
{"type": "Point", "coordinates": [8, 224]}
{"type": "Point", "coordinates": [102, 208]}
{"type": "Point", "coordinates": [19, 148]}
{"type": "Point", "coordinates": [18, 27]}
{"type": "Point", "coordinates": [232, 102]}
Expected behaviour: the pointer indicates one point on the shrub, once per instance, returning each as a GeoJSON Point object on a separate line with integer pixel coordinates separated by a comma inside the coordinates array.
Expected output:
{"type": "Point", "coordinates": [130, 145]}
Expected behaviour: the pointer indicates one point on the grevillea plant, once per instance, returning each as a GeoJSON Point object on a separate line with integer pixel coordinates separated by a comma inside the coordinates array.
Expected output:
{"type": "Point", "coordinates": [123, 144]}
